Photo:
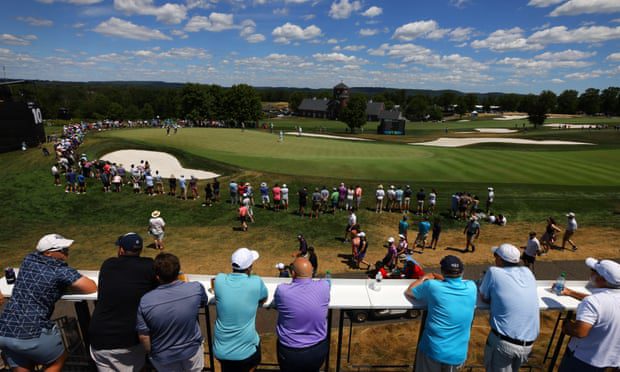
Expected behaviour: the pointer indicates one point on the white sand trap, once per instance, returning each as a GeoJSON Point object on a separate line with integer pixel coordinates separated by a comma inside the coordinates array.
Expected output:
{"type": "Point", "coordinates": [460, 142]}
{"type": "Point", "coordinates": [496, 130]}
{"type": "Point", "coordinates": [165, 163]}
{"type": "Point", "coordinates": [571, 126]}
{"type": "Point", "coordinates": [463, 121]}
{"type": "Point", "coordinates": [512, 117]}
{"type": "Point", "coordinates": [328, 136]}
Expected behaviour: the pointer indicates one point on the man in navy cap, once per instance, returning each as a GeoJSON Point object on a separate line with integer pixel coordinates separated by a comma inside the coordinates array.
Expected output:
{"type": "Point", "coordinates": [123, 280]}
{"type": "Point", "coordinates": [450, 305]}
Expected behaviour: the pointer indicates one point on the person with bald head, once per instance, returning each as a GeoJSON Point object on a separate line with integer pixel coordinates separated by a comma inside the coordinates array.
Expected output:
{"type": "Point", "coordinates": [302, 320]}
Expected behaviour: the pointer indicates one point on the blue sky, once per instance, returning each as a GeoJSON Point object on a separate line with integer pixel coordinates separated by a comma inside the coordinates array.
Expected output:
{"type": "Point", "coordinates": [470, 45]}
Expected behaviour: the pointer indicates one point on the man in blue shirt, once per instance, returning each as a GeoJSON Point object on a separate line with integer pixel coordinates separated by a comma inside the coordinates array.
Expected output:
{"type": "Point", "coordinates": [424, 227]}
{"type": "Point", "coordinates": [236, 343]}
{"type": "Point", "coordinates": [450, 306]}
{"type": "Point", "coordinates": [514, 318]}
{"type": "Point", "coordinates": [167, 320]}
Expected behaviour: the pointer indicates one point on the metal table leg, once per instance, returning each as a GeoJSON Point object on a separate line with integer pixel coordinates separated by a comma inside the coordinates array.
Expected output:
{"type": "Point", "coordinates": [422, 325]}
{"type": "Point", "coordinates": [329, 338]}
{"type": "Point", "coordinates": [558, 346]}
{"type": "Point", "coordinates": [209, 339]}
{"type": "Point", "coordinates": [339, 346]}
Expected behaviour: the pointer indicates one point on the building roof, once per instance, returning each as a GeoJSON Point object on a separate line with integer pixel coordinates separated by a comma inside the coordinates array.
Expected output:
{"type": "Point", "coordinates": [390, 115]}
{"type": "Point", "coordinates": [341, 85]}
{"type": "Point", "coordinates": [374, 108]}
{"type": "Point", "coordinates": [313, 104]}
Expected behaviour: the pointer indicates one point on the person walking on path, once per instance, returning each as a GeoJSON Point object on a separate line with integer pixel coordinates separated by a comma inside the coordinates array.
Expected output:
{"type": "Point", "coordinates": [302, 320]}
{"type": "Point", "coordinates": [595, 342]}
{"type": "Point", "coordinates": [472, 231]}
{"type": "Point", "coordinates": [167, 319]}
{"type": "Point", "coordinates": [236, 344]}
{"type": "Point", "coordinates": [157, 226]}
{"type": "Point", "coordinates": [403, 225]}
{"type": "Point", "coordinates": [27, 335]}
{"type": "Point", "coordinates": [351, 222]}
{"type": "Point", "coordinates": [436, 232]}
{"type": "Point", "coordinates": [511, 291]}
{"type": "Point", "coordinates": [450, 305]}
{"type": "Point", "coordinates": [547, 241]}
{"type": "Point", "coordinates": [123, 280]}
{"type": "Point", "coordinates": [362, 250]}
{"type": "Point", "coordinates": [532, 249]}
{"type": "Point", "coordinates": [571, 228]}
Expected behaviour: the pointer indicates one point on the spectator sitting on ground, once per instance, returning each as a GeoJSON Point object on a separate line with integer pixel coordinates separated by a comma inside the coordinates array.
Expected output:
{"type": "Point", "coordinates": [501, 220]}
{"type": "Point", "coordinates": [123, 280]}
{"type": "Point", "coordinates": [236, 343]}
{"type": "Point", "coordinates": [27, 335]}
{"type": "Point", "coordinates": [412, 269]}
{"type": "Point", "coordinates": [302, 320]}
{"type": "Point", "coordinates": [167, 321]}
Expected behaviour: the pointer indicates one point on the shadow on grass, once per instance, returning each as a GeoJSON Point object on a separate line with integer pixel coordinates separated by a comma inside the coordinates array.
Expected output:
{"type": "Point", "coordinates": [347, 259]}
{"type": "Point", "coordinates": [462, 250]}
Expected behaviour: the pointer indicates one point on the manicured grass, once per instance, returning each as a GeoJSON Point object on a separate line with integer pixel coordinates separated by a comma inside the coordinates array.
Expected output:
{"type": "Point", "coordinates": [254, 150]}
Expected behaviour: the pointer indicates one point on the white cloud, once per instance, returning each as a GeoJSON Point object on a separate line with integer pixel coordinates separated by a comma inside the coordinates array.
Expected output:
{"type": "Point", "coordinates": [584, 75]}
{"type": "Point", "coordinates": [342, 9]}
{"type": "Point", "coordinates": [248, 32]}
{"type": "Point", "coordinates": [202, 4]}
{"type": "Point", "coordinates": [372, 12]}
{"type": "Point", "coordinates": [32, 21]}
{"type": "Point", "coordinates": [167, 13]}
{"type": "Point", "coordinates": [539, 66]}
{"type": "Point", "coordinates": [426, 29]}
{"type": "Point", "coordinates": [78, 25]}
{"type": "Point", "coordinates": [22, 40]}
{"type": "Point", "coordinates": [368, 31]}
{"type": "Point", "coordinates": [289, 32]}
{"type": "Point", "coordinates": [505, 40]}
{"type": "Point", "coordinates": [255, 38]}
{"type": "Point", "coordinates": [332, 41]}
{"type": "Point", "coordinates": [461, 33]}
{"type": "Point", "coordinates": [7, 55]}
{"type": "Point", "coordinates": [543, 3]}
{"type": "Point", "coordinates": [338, 57]}
{"type": "Point", "coordinates": [560, 34]}
{"type": "Point", "coordinates": [174, 53]}
{"type": "Point", "coordinates": [124, 29]}
{"type": "Point", "coordinates": [574, 7]}
{"type": "Point", "coordinates": [557, 81]}
{"type": "Point", "coordinates": [567, 55]}
{"type": "Point", "coordinates": [215, 22]}
{"type": "Point", "coordinates": [296, 1]}
{"type": "Point", "coordinates": [614, 57]}
{"type": "Point", "coordinates": [354, 48]}
{"type": "Point", "coordinates": [459, 3]}
{"type": "Point", "coordinates": [280, 12]}
{"type": "Point", "coordinates": [308, 17]}
{"type": "Point", "coordinates": [76, 2]}
{"type": "Point", "coordinates": [179, 33]}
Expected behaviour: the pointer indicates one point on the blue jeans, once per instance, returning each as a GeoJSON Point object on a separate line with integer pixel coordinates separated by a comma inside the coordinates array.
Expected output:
{"type": "Point", "coordinates": [571, 364]}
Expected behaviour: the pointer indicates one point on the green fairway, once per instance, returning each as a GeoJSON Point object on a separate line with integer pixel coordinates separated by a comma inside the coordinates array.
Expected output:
{"type": "Point", "coordinates": [381, 161]}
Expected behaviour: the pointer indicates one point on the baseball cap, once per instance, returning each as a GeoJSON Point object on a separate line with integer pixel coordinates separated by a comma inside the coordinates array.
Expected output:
{"type": "Point", "coordinates": [280, 266]}
{"type": "Point", "coordinates": [570, 214]}
{"type": "Point", "coordinates": [490, 189]}
{"type": "Point", "coordinates": [507, 252]}
{"type": "Point", "coordinates": [243, 258]}
{"type": "Point", "coordinates": [53, 243]}
{"type": "Point", "coordinates": [610, 270]}
{"type": "Point", "coordinates": [130, 242]}
{"type": "Point", "coordinates": [283, 185]}
{"type": "Point", "coordinates": [452, 264]}
{"type": "Point", "coordinates": [401, 236]}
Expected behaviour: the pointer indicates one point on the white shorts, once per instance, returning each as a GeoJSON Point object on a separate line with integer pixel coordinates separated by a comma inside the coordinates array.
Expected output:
{"type": "Point", "coordinates": [123, 360]}
{"type": "Point", "coordinates": [265, 198]}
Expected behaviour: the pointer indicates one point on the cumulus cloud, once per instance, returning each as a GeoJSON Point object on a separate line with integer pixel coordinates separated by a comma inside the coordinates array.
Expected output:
{"type": "Point", "coordinates": [567, 55]}
{"type": "Point", "coordinates": [173, 53]}
{"type": "Point", "coordinates": [575, 7]}
{"type": "Point", "coordinates": [22, 40]}
{"type": "Point", "coordinates": [308, 17]}
{"type": "Point", "coordinates": [424, 29]}
{"type": "Point", "coordinates": [506, 40]}
{"type": "Point", "coordinates": [339, 58]}
{"type": "Point", "coordinates": [354, 48]}
{"type": "Point", "coordinates": [215, 22]}
{"type": "Point", "coordinates": [248, 32]}
{"type": "Point", "coordinates": [557, 81]}
{"type": "Point", "coordinates": [289, 32]}
{"type": "Point", "coordinates": [461, 33]}
{"type": "Point", "coordinates": [342, 9]}
{"type": "Point", "coordinates": [587, 34]}
{"type": "Point", "coordinates": [543, 3]}
{"type": "Point", "coordinates": [167, 13]}
{"type": "Point", "coordinates": [124, 29]}
{"type": "Point", "coordinates": [332, 41]}
{"type": "Point", "coordinates": [372, 12]}
{"type": "Point", "coordinates": [541, 66]}
{"type": "Point", "coordinates": [614, 57]}
{"type": "Point", "coordinates": [76, 2]}
{"type": "Point", "coordinates": [368, 31]}
{"type": "Point", "coordinates": [459, 3]}
{"type": "Point", "coordinates": [39, 22]}
{"type": "Point", "coordinates": [584, 75]}
{"type": "Point", "coordinates": [7, 55]}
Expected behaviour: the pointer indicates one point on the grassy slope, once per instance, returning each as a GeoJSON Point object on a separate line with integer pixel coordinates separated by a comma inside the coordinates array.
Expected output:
{"type": "Point", "coordinates": [387, 161]}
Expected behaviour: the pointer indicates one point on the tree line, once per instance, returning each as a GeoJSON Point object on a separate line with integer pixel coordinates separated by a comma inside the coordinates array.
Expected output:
{"type": "Point", "coordinates": [242, 103]}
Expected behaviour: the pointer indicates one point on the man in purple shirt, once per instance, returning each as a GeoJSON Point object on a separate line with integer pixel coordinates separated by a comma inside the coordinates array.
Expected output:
{"type": "Point", "coordinates": [302, 320]}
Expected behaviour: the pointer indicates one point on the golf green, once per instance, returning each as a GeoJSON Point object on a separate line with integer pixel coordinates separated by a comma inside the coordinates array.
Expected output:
{"type": "Point", "coordinates": [301, 156]}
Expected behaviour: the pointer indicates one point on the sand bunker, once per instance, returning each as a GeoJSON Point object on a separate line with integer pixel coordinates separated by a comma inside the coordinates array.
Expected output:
{"type": "Point", "coordinates": [496, 130]}
{"type": "Point", "coordinates": [571, 126]}
{"type": "Point", "coordinates": [165, 163]}
{"type": "Point", "coordinates": [328, 136]}
{"type": "Point", "coordinates": [512, 117]}
{"type": "Point", "coordinates": [460, 142]}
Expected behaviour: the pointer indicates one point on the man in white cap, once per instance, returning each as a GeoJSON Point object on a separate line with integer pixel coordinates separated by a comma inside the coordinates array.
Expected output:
{"type": "Point", "coordinates": [472, 231]}
{"type": "Point", "coordinates": [595, 342]}
{"type": "Point", "coordinates": [282, 270]}
{"type": "Point", "coordinates": [156, 229]}
{"type": "Point", "coordinates": [236, 343]}
{"type": "Point", "coordinates": [27, 335]}
{"type": "Point", "coordinates": [490, 198]}
{"type": "Point", "coordinates": [514, 317]}
{"type": "Point", "coordinates": [571, 227]}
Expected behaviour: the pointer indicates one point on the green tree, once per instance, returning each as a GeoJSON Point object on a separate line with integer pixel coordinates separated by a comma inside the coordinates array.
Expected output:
{"type": "Point", "coordinates": [471, 100]}
{"type": "Point", "coordinates": [589, 101]}
{"type": "Point", "coordinates": [568, 102]}
{"type": "Point", "coordinates": [147, 112]}
{"type": "Point", "coordinates": [509, 102]}
{"type": "Point", "coordinates": [243, 104]}
{"type": "Point", "coordinates": [115, 111]}
{"type": "Point", "coordinates": [536, 109]}
{"type": "Point", "coordinates": [193, 102]}
{"type": "Point", "coordinates": [460, 108]}
{"type": "Point", "coordinates": [609, 100]}
{"type": "Point", "coordinates": [295, 100]}
{"type": "Point", "coordinates": [549, 100]}
{"type": "Point", "coordinates": [354, 113]}
{"type": "Point", "coordinates": [417, 108]}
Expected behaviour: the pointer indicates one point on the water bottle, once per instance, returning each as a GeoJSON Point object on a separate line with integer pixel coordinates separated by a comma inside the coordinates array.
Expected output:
{"type": "Point", "coordinates": [558, 287]}
{"type": "Point", "coordinates": [328, 277]}
{"type": "Point", "coordinates": [378, 279]}
{"type": "Point", "coordinates": [9, 275]}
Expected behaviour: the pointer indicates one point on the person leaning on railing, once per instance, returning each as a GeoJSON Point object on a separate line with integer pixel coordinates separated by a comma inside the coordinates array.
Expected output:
{"type": "Point", "coordinates": [27, 335]}
{"type": "Point", "coordinates": [595, 342]}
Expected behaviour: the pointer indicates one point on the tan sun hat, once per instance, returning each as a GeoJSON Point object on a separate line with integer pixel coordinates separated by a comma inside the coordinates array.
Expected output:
{"type": "Point", "coordinates": [155, 214]}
